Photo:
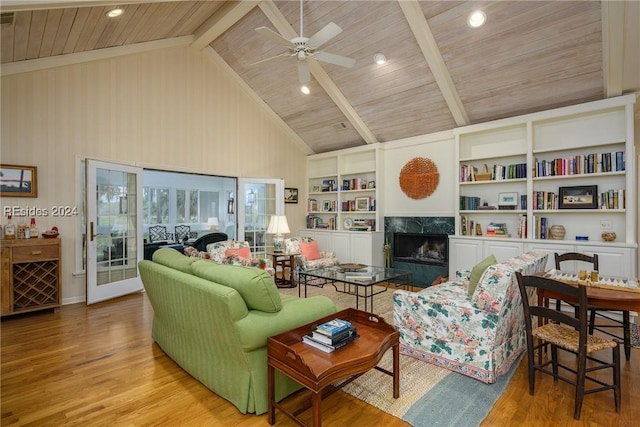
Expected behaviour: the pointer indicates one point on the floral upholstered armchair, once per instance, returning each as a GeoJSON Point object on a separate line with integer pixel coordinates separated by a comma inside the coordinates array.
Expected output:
{"type": "Point", "coordinates": [311, 257]}
{"type": "Point", "coordinates": [479, 335]}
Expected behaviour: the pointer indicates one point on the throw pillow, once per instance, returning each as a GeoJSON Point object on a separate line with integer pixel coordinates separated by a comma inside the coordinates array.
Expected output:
{"type": "Point", "coordinates": [478, 271]}
{"type": "Point", "coordinates": [310, 250]}
{"type": "Point", "coordinates": [256, 286]}
{"type": "Point", "coordinates": [242, 252]}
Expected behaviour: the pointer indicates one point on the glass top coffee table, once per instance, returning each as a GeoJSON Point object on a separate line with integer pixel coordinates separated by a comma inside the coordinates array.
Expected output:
{"type": "Point", "coordinates": [357, 280]}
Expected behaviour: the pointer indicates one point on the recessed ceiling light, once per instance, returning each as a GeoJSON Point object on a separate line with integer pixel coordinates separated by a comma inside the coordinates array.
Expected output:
{"type": "Point", "coordinates": [113, 13]}
{"type": "Point", "coordinates": [305, 89]}
{"type": "Point", "coordinates": [477, 19]}
{"type": "Point", "coordinates": [379, 58]}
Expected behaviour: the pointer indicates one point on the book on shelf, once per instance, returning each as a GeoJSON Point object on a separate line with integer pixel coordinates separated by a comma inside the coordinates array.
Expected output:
{"type": "Point", "coordinates": [329, 185]}
{"type": "Point", "coordinates": [581, 164]}
{"type": "Point", "coordinates": [317, 336]}
{"type": "Point", "coordinates": [495, 229]}
{"type": "Point", "coordinates": [333, 327]}
{"type": "Point", "coordinates": [328, 348]}
{"type": "Point", "coordinates": [522, 227]}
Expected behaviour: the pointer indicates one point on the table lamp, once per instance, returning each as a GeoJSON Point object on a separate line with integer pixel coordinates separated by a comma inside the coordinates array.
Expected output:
{"type": "Point", "coordinates": [278, 226]}
{"type": "Point", "coordinates": [213, 223]}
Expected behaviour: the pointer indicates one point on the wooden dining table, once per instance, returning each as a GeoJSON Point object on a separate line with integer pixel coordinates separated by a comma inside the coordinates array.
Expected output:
{"type": "Point", "coordinates": [602, 296]}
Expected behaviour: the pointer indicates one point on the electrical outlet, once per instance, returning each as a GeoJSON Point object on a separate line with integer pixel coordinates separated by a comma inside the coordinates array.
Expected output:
{"type": "Point", "coordinates": [605, 224]}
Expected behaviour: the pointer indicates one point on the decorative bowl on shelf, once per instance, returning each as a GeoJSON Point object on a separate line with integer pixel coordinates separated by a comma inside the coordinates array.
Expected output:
{"type": "Point", "coordinates": [608, 236]}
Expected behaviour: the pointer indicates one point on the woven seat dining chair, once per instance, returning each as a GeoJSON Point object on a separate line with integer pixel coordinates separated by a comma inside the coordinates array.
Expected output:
{"type": "Point", "coordinates": [567, 331]}
{"type": "Point", "coordinates": [599, 312]}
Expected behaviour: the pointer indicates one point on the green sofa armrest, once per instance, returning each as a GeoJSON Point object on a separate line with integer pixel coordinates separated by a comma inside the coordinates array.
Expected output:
{"type": "Point", "coordinates": [257, 326]}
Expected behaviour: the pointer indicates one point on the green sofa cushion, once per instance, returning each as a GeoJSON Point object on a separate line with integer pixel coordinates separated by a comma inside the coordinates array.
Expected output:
{"type": "Point", "coordinates": [172, 258]}
{"type": "Point", "coordinates": [477, 271]}
{"type": "Point", "coordinates": [256, 286]}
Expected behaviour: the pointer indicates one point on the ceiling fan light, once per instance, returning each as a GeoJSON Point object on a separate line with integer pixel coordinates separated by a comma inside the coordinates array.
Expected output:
{"type": "Point", "coordinates": [477, 19]}
{"type": "Point", "coordinates": [379, 58]}
{"type": "Point", "coordinates": [113, 13]}
{"type": "Point", "coordinates": [305, 89]}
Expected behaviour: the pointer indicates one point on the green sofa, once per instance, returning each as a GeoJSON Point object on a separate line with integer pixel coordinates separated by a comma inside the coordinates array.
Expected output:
{"type": "Point", "coordinates": [214, 320]}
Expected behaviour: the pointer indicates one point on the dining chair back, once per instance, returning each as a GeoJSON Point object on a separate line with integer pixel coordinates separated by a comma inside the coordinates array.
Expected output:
{"type": "Point", "coordinates": [611, 322]}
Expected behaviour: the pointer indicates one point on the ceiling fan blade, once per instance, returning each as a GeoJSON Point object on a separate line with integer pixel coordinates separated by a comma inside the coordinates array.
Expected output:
{"type": "Point", "coordinates": [324, 35]}
{"type": "Point", "coordinates": [272, 35]}
{"type": "Point", "coordinates": [282, 55]}
{"type": "Point", "coordinates": [331, 58]}
{"type": "Point", "coordinates": [303, 72]}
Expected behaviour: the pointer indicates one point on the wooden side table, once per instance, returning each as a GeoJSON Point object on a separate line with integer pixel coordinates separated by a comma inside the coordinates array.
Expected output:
{"type": "Point", "coordinates": [285, 261]}
{"type": "Point", "coordinates": [317, 370]}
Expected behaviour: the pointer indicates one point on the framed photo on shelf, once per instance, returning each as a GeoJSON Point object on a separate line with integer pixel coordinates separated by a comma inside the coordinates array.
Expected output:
{"type": "Point", "coordinates": [508, 199]}
{"type": "Point", "coordinates": [579, 197]}
{"type": "Point", "coordinates": [18, 181]}
{"type": "Point", "coordinates": [315, 189]}
{"type": "Point", "coordinates": [326, 206]}
{"type": "Point", "coordinates": [291, 195]}
{"type": "Point", "coordinates": [362, 203]}
{"type": "Point", "coordinates": [371, 184]}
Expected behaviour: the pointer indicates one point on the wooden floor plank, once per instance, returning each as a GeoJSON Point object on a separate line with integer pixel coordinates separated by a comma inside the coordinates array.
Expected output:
{"type": "Point", "coordinates": [98, 365]}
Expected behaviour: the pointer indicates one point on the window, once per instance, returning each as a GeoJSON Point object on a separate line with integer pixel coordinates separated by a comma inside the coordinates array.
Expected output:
{"type": "Point", "coordinates": [155, 204]}
{"type": "Point", "coordinates": [187, 206]}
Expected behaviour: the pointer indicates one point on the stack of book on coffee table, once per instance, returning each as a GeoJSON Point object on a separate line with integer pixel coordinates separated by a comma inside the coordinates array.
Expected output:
{"type": "Point", "coordinates": [331, 335]}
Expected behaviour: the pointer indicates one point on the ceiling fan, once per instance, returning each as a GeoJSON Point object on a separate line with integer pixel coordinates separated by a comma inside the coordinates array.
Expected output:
{"type": "Point", "coordinates": [303, 48]}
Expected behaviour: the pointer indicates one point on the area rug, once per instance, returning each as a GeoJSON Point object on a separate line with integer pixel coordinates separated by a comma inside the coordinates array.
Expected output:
{"type": "Point", "coordinates": [429, 395]}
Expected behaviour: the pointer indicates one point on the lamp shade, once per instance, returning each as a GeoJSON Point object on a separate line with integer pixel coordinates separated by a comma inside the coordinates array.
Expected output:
{"type": "Point", "coordinates": [213, 223]}
{"type": "Point", "coordinates": [278, 225]}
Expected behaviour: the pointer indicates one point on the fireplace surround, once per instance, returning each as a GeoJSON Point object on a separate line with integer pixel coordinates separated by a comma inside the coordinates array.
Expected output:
{"type": "Point", "coordinates": [424, 268]}
{"type": "Point", "coordinates": [421, 248]}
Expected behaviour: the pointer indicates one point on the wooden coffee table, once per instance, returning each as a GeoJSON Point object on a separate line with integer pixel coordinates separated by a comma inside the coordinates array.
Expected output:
{"type": "Point", "coordinates": [317, 370]}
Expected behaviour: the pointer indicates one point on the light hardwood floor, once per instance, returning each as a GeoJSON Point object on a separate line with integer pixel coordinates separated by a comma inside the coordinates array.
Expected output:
{"type": "Point", "coordinates": [97, 366]}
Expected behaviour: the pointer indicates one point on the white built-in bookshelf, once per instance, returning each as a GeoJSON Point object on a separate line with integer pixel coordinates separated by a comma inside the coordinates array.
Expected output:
{"type": "Point", "coordinates": [572, 166]}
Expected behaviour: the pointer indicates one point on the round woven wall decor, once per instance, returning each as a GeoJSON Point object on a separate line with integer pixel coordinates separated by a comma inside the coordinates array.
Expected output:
{"type": "Point", "coordinates": [419, 178]}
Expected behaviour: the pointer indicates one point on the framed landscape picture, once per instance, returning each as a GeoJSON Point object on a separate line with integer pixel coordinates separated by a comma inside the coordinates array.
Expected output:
{"type": "Point", "coordinates": [580, 197]}
{"type": "Point", "coordinates": [18, 181]}
{"type": "Point", "coordinates": [362, 203]}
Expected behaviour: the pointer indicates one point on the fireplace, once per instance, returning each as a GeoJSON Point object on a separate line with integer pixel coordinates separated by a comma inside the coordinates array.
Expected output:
{"type": "Point", "coordinates": [415, 248]}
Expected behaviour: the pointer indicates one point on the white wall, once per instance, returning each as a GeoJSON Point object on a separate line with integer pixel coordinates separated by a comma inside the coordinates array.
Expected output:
{"type": "Point", "coordinates": [440, 148]}
{"type": "Point", "coordinates": [174, 109]}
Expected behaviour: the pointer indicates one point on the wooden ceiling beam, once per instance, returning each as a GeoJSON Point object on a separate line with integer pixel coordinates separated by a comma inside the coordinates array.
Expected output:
{"type": "Point", "coordinates": [421, 31]}
{"type": "Point", "coordinates": [284, 28]}
{"type": "Point", "coordinates": [613, 19]}
{"type": "Point", "coordinates": [221, 21]}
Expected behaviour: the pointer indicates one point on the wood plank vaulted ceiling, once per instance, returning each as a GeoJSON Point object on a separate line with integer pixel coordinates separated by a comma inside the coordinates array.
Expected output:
{"type": "Point", "coordinates": [440, 74]}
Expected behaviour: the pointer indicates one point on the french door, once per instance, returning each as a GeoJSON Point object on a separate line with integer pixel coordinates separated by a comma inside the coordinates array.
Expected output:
{"type": "Point", "coordinates": [114, 230]}
{"type": "Point", "coordinates": [258, 200]}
